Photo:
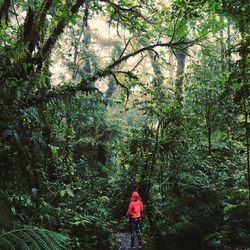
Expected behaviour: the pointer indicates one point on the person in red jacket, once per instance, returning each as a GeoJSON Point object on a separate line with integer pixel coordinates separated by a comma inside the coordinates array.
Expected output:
{"type": "Point", "coordinates": [134, 211]}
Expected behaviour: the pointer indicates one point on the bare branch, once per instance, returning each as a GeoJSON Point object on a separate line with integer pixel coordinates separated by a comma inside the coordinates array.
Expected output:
{"type": "Point", "coordinates": [151, 47]}
{"type": "Point", "coordinates": [15, 13]}
{"type": "Point", "coordinates": [138, 63]}
{"type": "Point", "coordinates": [120, 9]}
{"type": "Point", "coordinates": [175, 27]}
{"type": "Point", "coordinates": [123, 86]}
{"type": "Point", "coordinates": [126, 45]}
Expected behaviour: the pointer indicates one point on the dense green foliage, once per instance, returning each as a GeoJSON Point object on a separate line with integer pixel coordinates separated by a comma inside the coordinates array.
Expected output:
{"type": "Point", "coordinates": [70, 155]}
{"type": "Point", "coordinates": [32, 238]}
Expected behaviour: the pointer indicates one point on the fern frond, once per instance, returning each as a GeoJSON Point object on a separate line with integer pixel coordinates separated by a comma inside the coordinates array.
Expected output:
{"type": "Point", "coordinates": [16, 239]}
{"type": "Point", "coordinates": [32, 242]}
{"type": "Point", "coordinates": [6, 243]}
{"type": "Point", "coordinates": [32, 238]}
{"type": "Point", "coordinates": [56, 238]}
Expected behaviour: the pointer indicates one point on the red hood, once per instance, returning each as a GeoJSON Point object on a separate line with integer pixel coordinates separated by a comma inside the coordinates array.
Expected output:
{"type": "Point", "coordinates": [135, 196]}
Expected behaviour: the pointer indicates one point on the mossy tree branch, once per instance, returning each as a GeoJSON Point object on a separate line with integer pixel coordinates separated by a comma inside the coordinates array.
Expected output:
{"type": "Point", "coordinates": [84, 85]}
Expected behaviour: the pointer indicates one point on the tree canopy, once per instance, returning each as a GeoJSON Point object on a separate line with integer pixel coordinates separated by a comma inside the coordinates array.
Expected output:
{"type": "Point", "coordinates": [102, 98]}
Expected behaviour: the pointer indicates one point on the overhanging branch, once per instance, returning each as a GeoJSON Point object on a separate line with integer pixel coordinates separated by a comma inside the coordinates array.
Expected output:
{"type": "Point", "coordinates": [85, 84]}
{"type": "Point", "coordinates": [151, 47]}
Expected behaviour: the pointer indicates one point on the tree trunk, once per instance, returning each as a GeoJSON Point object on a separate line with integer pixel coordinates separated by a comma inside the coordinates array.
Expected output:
{"type": "Point", "coordinates": [209, 128]}
{"type": "Point", "coordinates": [228, 55]}
{"type": "Point", "coordinates": [112, 83]}
{"type": "Point", "coordinates": [158, 81]}
{"type": "Point", "coordinates": [181, 58]}
{"type": "Point", "coordinates": [247, 124]}
{"type": "Point", "coordinates": [222, 49]}
{"type": "Point", "coordinates": [4, 10]}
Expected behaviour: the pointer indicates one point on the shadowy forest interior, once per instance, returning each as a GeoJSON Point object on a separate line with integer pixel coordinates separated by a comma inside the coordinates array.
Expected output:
{"type": "Point", "coordinates": [102, 98]}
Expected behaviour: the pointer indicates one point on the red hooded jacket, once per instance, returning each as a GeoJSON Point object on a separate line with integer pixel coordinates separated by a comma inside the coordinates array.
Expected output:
{"type": "Point", "coordinates": [135, 206]}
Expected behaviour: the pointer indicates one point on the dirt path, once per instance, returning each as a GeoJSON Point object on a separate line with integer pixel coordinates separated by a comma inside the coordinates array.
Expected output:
{"type": "Point", "coordinates": [124, 242]}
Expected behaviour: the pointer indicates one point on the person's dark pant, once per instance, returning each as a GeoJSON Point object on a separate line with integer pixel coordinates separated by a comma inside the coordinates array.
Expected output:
{"type": "Point", "coordinates": [135, 225]}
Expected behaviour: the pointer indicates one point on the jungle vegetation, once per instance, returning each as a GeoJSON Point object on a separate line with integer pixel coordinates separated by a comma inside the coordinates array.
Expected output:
{"type": "Point", "coordinates": [72, 153]}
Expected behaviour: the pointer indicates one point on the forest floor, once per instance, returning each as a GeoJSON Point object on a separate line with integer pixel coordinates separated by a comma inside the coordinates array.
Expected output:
{"type": "Point", "coordinates": [124, 242]}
